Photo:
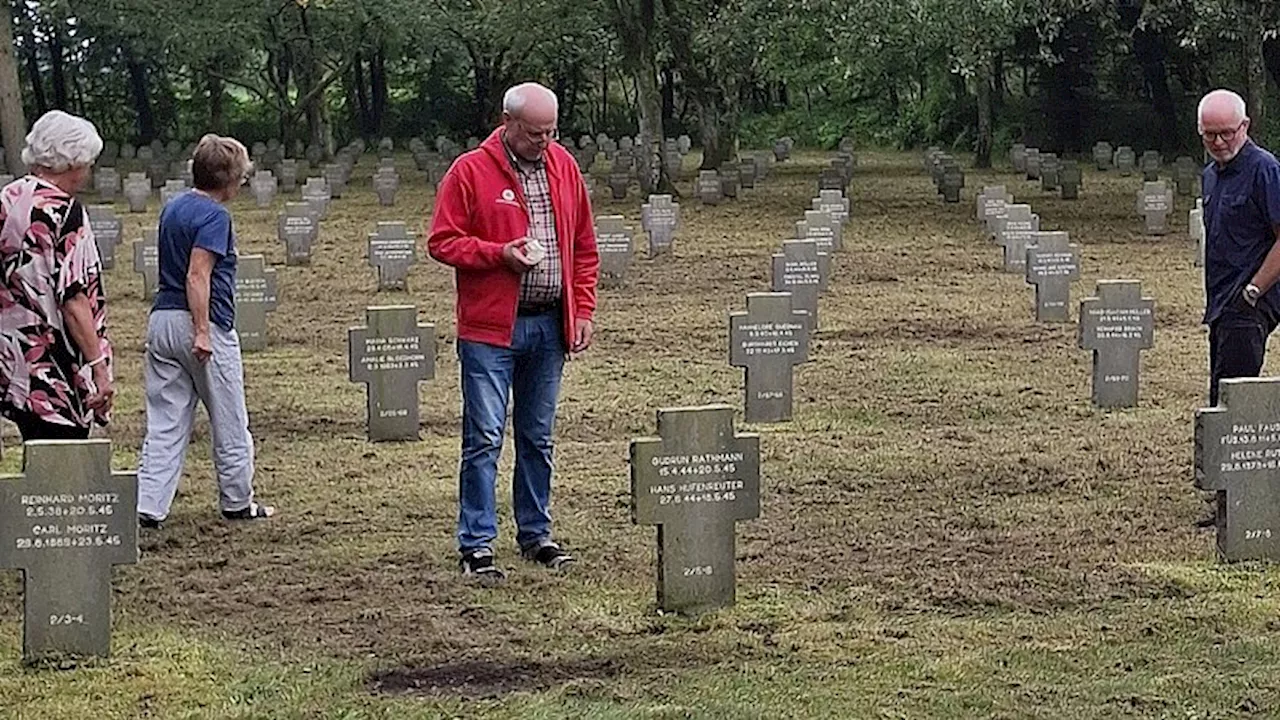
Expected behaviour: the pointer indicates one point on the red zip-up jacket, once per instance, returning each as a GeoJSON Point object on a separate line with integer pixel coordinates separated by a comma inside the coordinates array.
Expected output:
{"type": "Point", "coordinates": [480, 206]}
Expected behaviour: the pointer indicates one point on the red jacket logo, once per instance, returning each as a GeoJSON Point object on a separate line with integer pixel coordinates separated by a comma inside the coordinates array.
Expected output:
{"type": "Point", "coordinates": [508, 198]}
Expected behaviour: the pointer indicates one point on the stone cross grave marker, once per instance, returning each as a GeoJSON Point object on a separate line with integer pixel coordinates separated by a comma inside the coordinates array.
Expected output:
{"type": "Point", "coordinates": [831, 179]}
{"type": "Point", "coordinates": [128, 151]}
{"type": "Point", "coordinates": [730, 179]}
{"type": "Point", "coordinates": [1126, 161]}
{"type": "Point", "coordinates": [171, 190]}
{"type": "Point", "coordinates": [256, 295]}
{"type": "Point", "coordinates": [616, 246]}
{"type": "Point", "coordinates": [748, 171]}
{"type": "Point", "coordinates": [392, 353]}
{"type": "Point", "coordinates": [1052, 264]}
{"type": "Point", "coordinates": [263, 185]}
{"type": "Point", "coordinates": [695, 481]}
{"type": "Point", "coordinates": [1149, 164]}
{"type": "Point", "coordinates": [1155, 202]}
{"type": "Point", "coordinates": [834, 203]}
{"type": "Point", "coordinates": [106, 182]}
{"type": "Point", "coordinates": [820, 226]}
{"type": "Point", "coordinates": [386, 147]}
{"type": "Point", "coordinates": [146, 261]}
{"type": "Point", "coordinates": [64, 522]}
{"type": "Point", "coordinates": [336, 175]}
{"type": "Point", "coordinates": [619, 181]}
{"type": "Point", "coordinates": [392, 250]}
{"type": "Point", "coordinates": [1186, 177]}
{"type": "Point", "coordinates": [385, 183]}
{"type": "Point", "coordinates": [708, 187]}
{"type": "Point", "coordinates": [1018, 157]}
{"type": "Point", "coordinates": [996, 218]}
{"type": "Point", "coordinates": [802, 270]}
{"type": "Point", "coordinates": [1196, 222]}
{"type": "Point", "coordinates": [1018, 231]}
{"type": "Point", "coordinates": [781, 151]}
{"type": "Point", "coordinates": [1102, 155]}
{"type": "Point", "coordinates": [1116, 324]}
{"type": "Point", "coordinates": [769, 340]}
{"type": "Point", "coordinates": [683, 144]}
{"type": "Point", "coordinates": [316, 193]}
{"type": "Point", "coordinates": [107, 227]}
{"type": "Point", "coordinates": [659, 217]}
{"type": "Point", "coordinates": [991, 201]}
{"type": "Point", "coordinates": [297, 227]}
{"type": "Point", "coordinates": [951, 183]}
{"type": "Point", "coordinates": [1033, 163]}
{"type": "Point", "coordinates": [1070, 179]}
{"type": "Point", "coordinates": [1237, 457]}
{"type": "Point", "coordinates": [1050, 167]}
{"type": "Point", "coordinates": [137, 190]}
{"type": "Point", "coordinates": [288, 175]}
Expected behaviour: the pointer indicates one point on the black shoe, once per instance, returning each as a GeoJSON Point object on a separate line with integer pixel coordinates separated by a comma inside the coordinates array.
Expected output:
{"type": "Point", "coordinates": [479, 565]}
{"type": "Point", "coordinates": [148, 522]}
{"type": "Point", "coordinates": [550, 556]}
{"type": "Point", "coordinates": [253, 512]}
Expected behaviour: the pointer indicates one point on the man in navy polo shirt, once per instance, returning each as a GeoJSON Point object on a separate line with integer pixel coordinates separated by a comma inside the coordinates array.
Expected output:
{"type": "Point", "coordinates": [1242, 263]}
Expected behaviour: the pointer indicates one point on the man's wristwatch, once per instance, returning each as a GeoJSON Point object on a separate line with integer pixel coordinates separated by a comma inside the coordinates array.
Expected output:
{"type": "Point", "coordinates": [1252, 293]}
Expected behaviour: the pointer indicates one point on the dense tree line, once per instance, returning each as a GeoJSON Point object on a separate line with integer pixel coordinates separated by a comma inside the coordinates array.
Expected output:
{"type": "Point", "coordinates": [971, 74]}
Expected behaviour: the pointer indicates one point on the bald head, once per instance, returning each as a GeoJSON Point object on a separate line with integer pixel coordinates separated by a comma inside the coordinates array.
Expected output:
{"type": "Point", "coordinates": [529, 116]}
{"type": "Point", "coordinates": [1223, 124]}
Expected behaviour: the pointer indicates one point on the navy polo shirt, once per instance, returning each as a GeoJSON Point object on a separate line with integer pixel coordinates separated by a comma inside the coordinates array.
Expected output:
{"type": "Point", "coordinates": [193, 220]}
{"type": "Point", "coordinates": [1241, 211]}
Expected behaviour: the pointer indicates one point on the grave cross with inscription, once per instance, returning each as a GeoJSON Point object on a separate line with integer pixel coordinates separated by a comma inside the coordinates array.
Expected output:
{"type": "Point", "coordinates": [1018, 157]}
{"type": "Point", "coordinates": [392, 354]}
{"type": "Point", "coordinates": [769, 340]}
{"type": "Point", "coordinates": [146, 262]}
{"type": "Point", "coordinates": [137, 190]}
{"type": "Point", "coordinates": [832, 201]}
{"type": "Point", "coordinates": [820, 226]}
{"type": "Point", "coordinates": [802, 270]}
{"type": "Point", "coordinates": [297, 227]}
{"type": "Point", "coordinates": [1155, 202]}
{"type": "Point", "coordinates": [695, 481]}
{"type": "Point", "coordinates": [1186, 176]}
{"type": "Point", "coordinates": [1016, 232]}
{"type": "Point", "coordinates": [1069, 179]}
{"type": "Point", "coordinates": [1237, 457]}
{"type": "Point", "coordinates": [1149, 164]}
{"type": "Point", "coordinates": [1102, 155]}
{"type": "Point", "coordinates": [64, 522]}
{"type": "Point", "coordinates": [264, 186]}
{"type": "Point", "coordinates": [385, 184]}
{"type": "Point", "coordinates": [615, 244]}
{"type": "Point", "coordinates": [256, 295]}
{"type": "Point", "coordinates": [991, 201]}
{"type": "Point", "coordinates": [1052, 264]}
{"type": "Point", "coordinates": [1125, 160]}
{"type": "Point", "coordinates": [1116, 325]}
{"type": "Point", "coordinates": [659, 217]}
{"type": "Point", "coordinates": [707, 187]}
{"type": "Point", "coordinates": [107, 227]}
{"type": "Point", "coordinates": [392, 250]}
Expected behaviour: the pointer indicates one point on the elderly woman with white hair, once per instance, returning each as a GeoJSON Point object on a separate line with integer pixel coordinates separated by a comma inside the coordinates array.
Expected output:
{"type": "Point", "coordinates": [55, 355]}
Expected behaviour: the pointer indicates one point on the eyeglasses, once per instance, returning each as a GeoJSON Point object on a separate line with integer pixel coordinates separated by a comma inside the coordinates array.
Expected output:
{"type": "Point", "coordinates": [1224, 135]}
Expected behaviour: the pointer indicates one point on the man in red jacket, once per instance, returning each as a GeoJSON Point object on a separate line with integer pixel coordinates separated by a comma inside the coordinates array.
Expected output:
{"type": "Point", "coordinates": [513, 218]}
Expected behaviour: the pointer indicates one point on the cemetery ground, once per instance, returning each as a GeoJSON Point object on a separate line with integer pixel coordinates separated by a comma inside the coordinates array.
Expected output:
{"type": "Point", "coordinates": [948, 527]}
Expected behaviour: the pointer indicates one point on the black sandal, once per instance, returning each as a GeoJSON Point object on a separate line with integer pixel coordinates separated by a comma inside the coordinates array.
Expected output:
{"type": "Point", "coordinates": [253, 512]}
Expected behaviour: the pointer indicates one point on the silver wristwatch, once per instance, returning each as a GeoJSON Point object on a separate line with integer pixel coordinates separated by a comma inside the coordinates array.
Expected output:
{"type": "Point", "coordinates": [1252, 293]}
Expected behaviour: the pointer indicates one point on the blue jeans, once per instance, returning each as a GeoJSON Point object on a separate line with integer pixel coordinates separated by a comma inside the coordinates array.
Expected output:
{"type": "Point", "coordinates": [529, 371]}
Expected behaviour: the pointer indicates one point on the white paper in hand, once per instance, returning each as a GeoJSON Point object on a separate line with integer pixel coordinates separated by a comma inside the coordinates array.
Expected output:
{"type": "Point", "coordinates": [534, 251]}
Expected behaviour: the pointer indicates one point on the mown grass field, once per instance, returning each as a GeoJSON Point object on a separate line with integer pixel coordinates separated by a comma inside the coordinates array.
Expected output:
{"type": "Point", "coordinates": [949, 528]}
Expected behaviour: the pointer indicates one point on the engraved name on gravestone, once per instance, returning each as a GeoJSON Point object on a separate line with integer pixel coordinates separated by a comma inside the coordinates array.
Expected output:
{"type": "Point", "coordinates": [695, 481]}
{"type": "Point", "coordinates": [1018, 157]}
{"type": "Point", "coordinates": [1070, 178]}
{"type": "Point", "coordinates": [1125, 160]}
{"type": "Point", "coordinates": [137, 190]}
{"type": "Point", "coordinates": [1050, 166]}
{"type": "Point", "coordinates": [385, 184]}
{"type": "Point", "coordinates": [820, 226]}
{"type": "Point", "coordinates": [107, 227]}
{"type": "Point", "coordinates": [1149, 164]}
{"type": "Point", "coordinates": [392, 250]}
{"type": "Point", "coordinates": [730, 179]}
{"type": "Point", "coordinates": [315, 192]}
{"type": "Point", "coordinates": [106, 182]}
{"type": "Point", "coordinates": [1155, 202]}
{"type": "Point", "coordinates": [832, 202]}
{"type": "Point", "coordinates": [769, 340]}
{"type": "Point", "coordinates": [146, 262]}
{"type": "Point", "coordinates": [660, 217]}
{"type": "Point", "coordinates": [1052, 264]}
{"type": "Point", "coordinates": [263, 185]}
{"type": "Point", "coordinates": [708, 188]}
{"type": "Point", "coordinates": [1186, 176]}
{"type": "Point", "coordinates": [64, 522]}
{"type": "Point", "coordinates": [1196, 230]}
{"type": "Point", "coordinates": [1102, 155]}
{"type": "Point", "coordinates": [802, 270]}
{"type": "Point", "coordinates": [1237, 456]}
{"type": "Point", "coordinates": [991, 202]}
{"type": "Point", "coordinates": [1033, 164]}
{"type": "Point", "coordinates": [1116, 325]}
{"type": "Point", "coordinates": [1017, 232]}
{"type": "Point", "coordinates": [392, 353]}
{"type": "Point", "coordinates": [297, 227]}
{"type": "Point", "coordinates": [615, 244]}
{"type": "Point", "coordinates": [256, 295]}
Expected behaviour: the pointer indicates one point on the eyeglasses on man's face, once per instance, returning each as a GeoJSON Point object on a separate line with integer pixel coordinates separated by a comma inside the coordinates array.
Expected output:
{"type": "Point", "coordinates": [1222, 135]}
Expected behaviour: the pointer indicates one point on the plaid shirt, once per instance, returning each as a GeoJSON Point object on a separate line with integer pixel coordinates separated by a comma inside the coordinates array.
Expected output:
{"type": "Point", "coordinates": [542, 285]}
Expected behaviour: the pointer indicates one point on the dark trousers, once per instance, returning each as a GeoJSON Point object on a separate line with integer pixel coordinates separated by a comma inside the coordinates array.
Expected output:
{"type": "Point", "coordinates": [33, 428]}
{"type": "Point", "coordinates": [1238, 343]}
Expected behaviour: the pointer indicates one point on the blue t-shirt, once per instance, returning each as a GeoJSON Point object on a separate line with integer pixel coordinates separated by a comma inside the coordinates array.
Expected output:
{"type": "Point", "coordinates": [1241, 211]}
{"type": "Point", "coordinates": [196, 220]}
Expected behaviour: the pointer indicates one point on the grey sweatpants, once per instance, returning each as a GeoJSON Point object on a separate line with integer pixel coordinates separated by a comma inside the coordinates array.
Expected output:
{"type": "Point", "coordinates": [175, 380]}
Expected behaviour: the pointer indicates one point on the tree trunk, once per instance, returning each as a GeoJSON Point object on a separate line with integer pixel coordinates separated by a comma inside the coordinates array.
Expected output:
{"type": "Point", "coordinates": [217, 105]}
{"type": "Point", "coordinates": [13, 126]}
{"type": "Point", "coordinates": [1256, 79]}
{"type": "Point", "coordinates": [668, 98]}
{"type": "Point", "coordinates": [604, 93]}
{"type": "Point", "coordinates": [378, 89]}
{"type": "Point", "coordinates": [57, 66]}
{"type": "Point", "coordinates": [33, 74]}
{"type": "Point", "coordinates": [361, 95]}
{"type": "Point", "coordinates": [141, 94]}
{"type": "Point", "coordinates": [982, 151]}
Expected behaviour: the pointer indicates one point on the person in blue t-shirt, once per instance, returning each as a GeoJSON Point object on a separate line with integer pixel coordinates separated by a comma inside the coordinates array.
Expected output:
{"type": "Point", "coordinates": [193, 352]}
{"type": "Point", "coordinates": [1241, 218]}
